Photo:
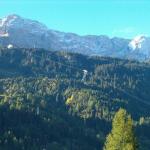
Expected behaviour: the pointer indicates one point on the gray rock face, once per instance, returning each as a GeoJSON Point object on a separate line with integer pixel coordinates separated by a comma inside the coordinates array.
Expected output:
{"type": "Point", "coordinates": [26, 33]}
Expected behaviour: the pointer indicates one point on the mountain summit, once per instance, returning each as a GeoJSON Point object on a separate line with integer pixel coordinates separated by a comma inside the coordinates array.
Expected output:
{"type": "Point", "coordinates": [26, 33]}
{"type": "Point", "coordinates": [16, 22]}
{"type": "Point", "coordinates": [140, 46]}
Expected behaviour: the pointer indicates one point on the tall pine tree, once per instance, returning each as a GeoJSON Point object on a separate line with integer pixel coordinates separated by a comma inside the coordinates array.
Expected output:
{"type": "Point", "coordinates": [122, 135]}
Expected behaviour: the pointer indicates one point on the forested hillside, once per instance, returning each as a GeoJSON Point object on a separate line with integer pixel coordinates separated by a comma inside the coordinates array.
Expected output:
{"type": "Point", "coordinates": [59, 100]}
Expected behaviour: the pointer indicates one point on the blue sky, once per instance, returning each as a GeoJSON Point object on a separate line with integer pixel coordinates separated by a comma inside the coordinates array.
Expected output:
{"type": "Point", "coordinates": [123, 18]}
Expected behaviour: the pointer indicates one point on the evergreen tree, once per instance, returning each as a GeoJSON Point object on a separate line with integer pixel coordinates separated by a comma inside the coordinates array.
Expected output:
{"type": "Point", "coordinates": [122, 135]}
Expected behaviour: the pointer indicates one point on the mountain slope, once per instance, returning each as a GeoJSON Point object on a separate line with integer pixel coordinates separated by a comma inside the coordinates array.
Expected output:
{"type": "Point", "coordinates": [104, 74]}
{"type": "Point", "coordinates": [44, 103]}
{"type": "Point", "coordinates": [26, 33]}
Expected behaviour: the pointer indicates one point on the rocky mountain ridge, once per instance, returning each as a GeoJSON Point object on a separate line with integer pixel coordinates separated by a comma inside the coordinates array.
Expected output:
{"type": "Point", "coordinates": [25, 33]}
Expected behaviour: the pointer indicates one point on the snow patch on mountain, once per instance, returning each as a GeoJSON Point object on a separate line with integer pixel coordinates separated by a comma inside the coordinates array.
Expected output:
{"type": "Point", "coordinates": [9, 46]}
{"type": "Point", "coordinates": [6, 21]}
{"type": "Point", "coordinates": [141, 45]}
{"type": "Point", "coordinates": [136, 43]}
{"type": "Point", "coordinates": [4, 34]}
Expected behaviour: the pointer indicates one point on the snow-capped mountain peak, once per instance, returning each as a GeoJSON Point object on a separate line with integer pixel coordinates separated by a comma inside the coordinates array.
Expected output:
{"type": "Point", "coordinates": [140, 47]}
{"type": "Point", "coordinates": [8, 19]}
{"type": "Point", "coordinates": [14, 21]}
{"type": "Point", "coordinates": [136, 43]}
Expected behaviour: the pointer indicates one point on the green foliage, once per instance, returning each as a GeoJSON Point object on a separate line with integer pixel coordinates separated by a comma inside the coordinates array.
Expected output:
{"type": "Point", "coordinates": [122, 135]}
{"type": "Point", "coordinates": [72, 115]}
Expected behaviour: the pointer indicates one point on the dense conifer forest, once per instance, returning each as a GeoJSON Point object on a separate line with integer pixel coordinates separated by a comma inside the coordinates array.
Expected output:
{"type": "Point", "coordinates": [64, 101]}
